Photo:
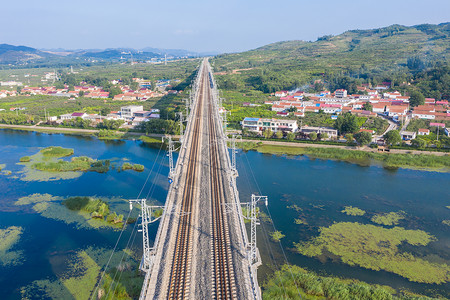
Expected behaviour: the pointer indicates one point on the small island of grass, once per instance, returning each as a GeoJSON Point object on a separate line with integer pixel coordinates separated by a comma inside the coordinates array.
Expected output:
{"type": "Point", "coordinates": [135, 167]}
{"type": "Point", "coordinates": [54, 151]}
{"type": "Point", "coordinates": [388, 219]}
{"type": "Point", "coordinates": [353, 211]}
{"type": "Point", "coordinates": [25, 159]}
{"type": "Point", "coordinates": [98, 209]}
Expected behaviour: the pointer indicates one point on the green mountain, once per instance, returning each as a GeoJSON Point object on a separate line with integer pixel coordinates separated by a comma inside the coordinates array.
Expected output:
{"type": "Point", "coordinates": [382, 48]}
{"type": "Point", "coordinates": [10, 54]}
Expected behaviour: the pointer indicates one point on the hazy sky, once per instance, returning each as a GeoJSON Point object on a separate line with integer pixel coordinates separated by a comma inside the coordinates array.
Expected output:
{"type": "Point", "coordinates": [200, 25]}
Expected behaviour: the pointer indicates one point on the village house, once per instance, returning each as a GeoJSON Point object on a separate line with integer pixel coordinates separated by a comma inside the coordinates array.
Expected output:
{"type": "Point", "coordinates": [260, 125]}
{"type": "Point", "coordinates": [340, 93]}
{"type": "Point", "coordinates": [331, 132]}
{"type": "Point", "coordinates": [407, 135]}
{"type": "Point", "coordinates": [423, 131]}
{"type": "Point", "coordinates": [127, 112]}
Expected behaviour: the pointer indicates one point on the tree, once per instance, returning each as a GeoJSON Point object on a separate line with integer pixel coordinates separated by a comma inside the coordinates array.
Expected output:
{"type": "Point", "coordinates": [19, 89]}
{"type": "Point", "coordinates": [105, 111]}
{"type": "Point", "coordinates": [323, 136]}
{"type": "Point", "coordinates": [279, 134]}
{"type": "Point", "coordinates": [313, 136]}
{"type": "Point", "coordinates": [290, 136]}
{"type": "Point", "coordinates": [416, 98]}
{"type": "Point", "coordinates": [363, 138]}
{"type": "Point", "coordinates": [113, 91]}
{"type": "Point", "coordinates": [346, 123]}
{"type": "Point", "coordinates": [419, 143]}
{"type": "Point", "coordinates": [268, 133]}
{"type": "Point", "coordinates": [368, 106]}
{"type": "Point", "coordinates": [134, 85]}
{"type": "Point", "coordinates": [349, 138]}
{"type": "Point", "coordinates": [393, 137]}
{"type": "Point", "coordinates": [81, 93]}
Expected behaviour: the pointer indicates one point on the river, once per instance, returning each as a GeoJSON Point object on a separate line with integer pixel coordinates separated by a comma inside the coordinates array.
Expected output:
{"type": "Point", "coordinates": [298, 187]}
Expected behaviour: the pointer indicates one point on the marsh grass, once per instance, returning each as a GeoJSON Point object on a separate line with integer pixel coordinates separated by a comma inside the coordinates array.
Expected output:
{"type": "Point", "coordinates": [388, 160]}
{"type": "Point", "coordinates": [149, 140]}
{"type": "Point", "coordinates": [130, 166]}
{"type": "Point", "coordinates": [284, 282]}
{"type": "Point", "coordinates": [56, 151]}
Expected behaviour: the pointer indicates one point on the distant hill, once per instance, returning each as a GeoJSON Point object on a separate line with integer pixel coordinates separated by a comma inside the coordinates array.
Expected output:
{"type": "Point", "coordinates": [119, 54]}
{"type": "Point", "coordinates": [384, 48]}
{"type": "Point", "coordinates": [21, 55]}
{"type": "Point", "coordinates": [10, 54]}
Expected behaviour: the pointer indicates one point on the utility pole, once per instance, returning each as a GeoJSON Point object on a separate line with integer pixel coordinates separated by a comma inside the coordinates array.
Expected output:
{"type": "Point", "coordinates": [147, 217]}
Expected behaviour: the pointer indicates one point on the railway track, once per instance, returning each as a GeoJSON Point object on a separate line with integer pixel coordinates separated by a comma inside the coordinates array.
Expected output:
{"type": "Point", "coordinates": [223, 277]}
{"type": "Point", "coordinates": [181, 265]}
{"type": "Point", "coordinates": [223, 286]}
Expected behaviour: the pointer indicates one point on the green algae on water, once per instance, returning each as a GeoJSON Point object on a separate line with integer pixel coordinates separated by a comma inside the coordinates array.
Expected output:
{"type": "Point", "coordinates": [9, 237]}
{"type": "Point", "coordinates": [277, 236]}
{"type": "Point", "coordinates": [388, 219]}
{"type": "Point", "coordinates": [377, 248]}
{"type": "Point", "coordinates": [90, 217]}
{"type": "Point", "coordinates": [80, 278]}
{"type": "Point", "coordinates": [353, 211]}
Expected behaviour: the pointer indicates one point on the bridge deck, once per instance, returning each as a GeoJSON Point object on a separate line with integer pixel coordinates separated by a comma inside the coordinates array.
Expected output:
{"type": "Point", "coordinates": [201, 250]}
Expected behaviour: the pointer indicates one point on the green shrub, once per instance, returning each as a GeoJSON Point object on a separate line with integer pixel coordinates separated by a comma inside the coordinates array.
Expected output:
{"type": "Point", "coordinates": [25, 159]}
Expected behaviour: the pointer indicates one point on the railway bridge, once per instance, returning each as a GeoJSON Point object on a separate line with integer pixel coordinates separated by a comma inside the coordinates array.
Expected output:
{"type": "Point", "coordinates": [202, 250]}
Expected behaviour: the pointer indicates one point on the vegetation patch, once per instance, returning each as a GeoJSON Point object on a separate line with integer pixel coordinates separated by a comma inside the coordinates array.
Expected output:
{"type": "Point", "coordinates": [36, 198]}
{"type": "Point", "coordinates": [98, 209]}
{"type": "Point", "coordinates": [300, 222]}
{"type": "Point", "coordinates": [393, 160]}
{"type": "Point", "coordinates": [9, 237]}
{"type": "Point", "coordinates": [353, 211]}
{"type": "Point", "coordinates": [446, 222]}
{"type": "Point", "coordinates": [290, 280]}
{"type": "Point", "coordinates": [80, 277]}
{"type": "Point", "coordinates": [277, 236]}
{"type": "Point", "coordinates": [2, 166]}
{"type": "Point", "coordinates": [150, 140]}
{"type": "Point", "coordinates": [105, 134]}
{"type": "Point", "coordinates": [54, 151]}
{"type": "Point", "coordinates": [135, 167]}
{"type": "Point", "coordinates": [376, 248]}
{"type": "Point", "coordinates": [25, 159]}
{"type": "Point", "coordinates": [388, 219]}
{"type": "Point", "coordinates": [85, 212]}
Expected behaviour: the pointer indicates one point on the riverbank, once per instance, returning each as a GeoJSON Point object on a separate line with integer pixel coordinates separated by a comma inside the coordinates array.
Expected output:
{"type": "Point", "coordinates": [115, 135]}
{"type": "Point", "coordinates": [438, 161]}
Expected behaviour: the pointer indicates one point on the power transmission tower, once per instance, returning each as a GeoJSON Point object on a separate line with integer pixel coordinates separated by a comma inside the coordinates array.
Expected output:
{"type": "Point", "coordinates": [234, 137]}
{"type": "Point", "coordinates": [252, 215]}
{"type": "Point", "coordinates": [181, 126]}
{"type": "Point", "coordinates": [147, 217]}
{"type": "Point", "coordinates": [168, 138]}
